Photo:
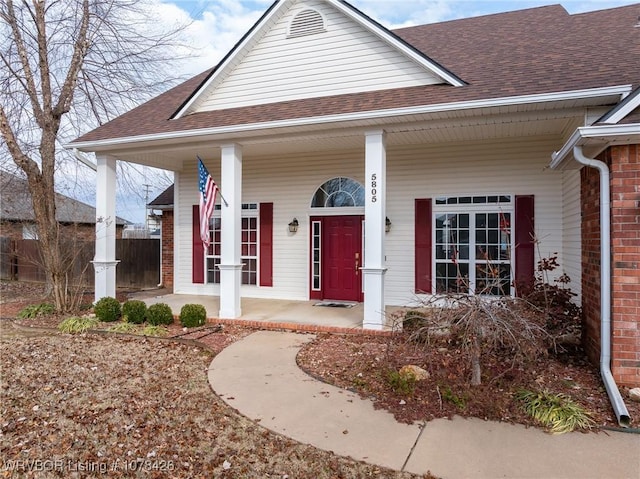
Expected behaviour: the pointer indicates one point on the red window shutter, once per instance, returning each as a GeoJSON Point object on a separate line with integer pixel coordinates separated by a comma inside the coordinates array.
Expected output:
{"type": "Point", "coordinates": [524, 240]}
{"type": "Point", "coordinates": [423, 254]}
{"type": "Point", "coordinates": [266, 244]}
{"type": "Point", "coordinates": [197, 263]}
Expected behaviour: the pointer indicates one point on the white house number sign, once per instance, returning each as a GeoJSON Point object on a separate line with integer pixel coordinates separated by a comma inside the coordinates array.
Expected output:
{"type": "Point", "coordinates": [374, 187]}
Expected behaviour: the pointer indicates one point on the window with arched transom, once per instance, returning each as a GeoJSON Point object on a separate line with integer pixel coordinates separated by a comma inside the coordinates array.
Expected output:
{"type": "Point", "coordinates": [339, 192]}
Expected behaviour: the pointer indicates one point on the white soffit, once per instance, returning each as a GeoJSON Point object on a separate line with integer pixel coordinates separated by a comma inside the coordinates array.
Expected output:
{"type": "Point", "coordinates": [352, 54]}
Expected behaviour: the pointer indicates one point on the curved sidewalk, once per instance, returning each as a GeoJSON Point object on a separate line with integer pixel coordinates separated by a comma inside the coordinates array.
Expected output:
{"type": "Point", "coordinates": [259, 377]}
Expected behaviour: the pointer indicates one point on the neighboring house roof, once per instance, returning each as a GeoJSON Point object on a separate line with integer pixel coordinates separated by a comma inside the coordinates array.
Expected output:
{"type": "Point", "coordinates": [164, 201]}
{"type": "Point", "coordinates": [16, 204]}
{"type": "Point", "coordinates": [528, 52]}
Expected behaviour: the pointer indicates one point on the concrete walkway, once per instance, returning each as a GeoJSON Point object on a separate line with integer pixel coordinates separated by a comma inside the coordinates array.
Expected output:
{"type": "Point", "coordinates": [259, 377]}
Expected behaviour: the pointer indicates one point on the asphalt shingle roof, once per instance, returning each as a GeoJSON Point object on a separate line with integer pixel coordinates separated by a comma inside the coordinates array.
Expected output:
{"type": "Point", "coordinates": [15, 204]}
{"type": "Point", "coordinates": [533, 51]}
{"type": "Point", "coordinates": [164, 199]}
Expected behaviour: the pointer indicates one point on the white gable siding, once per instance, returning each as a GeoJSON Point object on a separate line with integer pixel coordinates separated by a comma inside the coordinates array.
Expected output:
{"type": "Point", "coordinates": [344, 59]}
{"type": "Point", "coordinates": [504, 166]}
{"type": "Point", "coordinates": [571, 239]}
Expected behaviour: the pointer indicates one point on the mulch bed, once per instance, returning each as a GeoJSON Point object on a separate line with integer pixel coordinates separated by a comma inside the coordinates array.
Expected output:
{"type": "Point", "coordinates": [363, 363]}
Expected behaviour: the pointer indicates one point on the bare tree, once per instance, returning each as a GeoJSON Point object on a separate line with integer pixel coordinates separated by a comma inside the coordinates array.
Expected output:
{"type": "Point", "coordinates": [67, 66]}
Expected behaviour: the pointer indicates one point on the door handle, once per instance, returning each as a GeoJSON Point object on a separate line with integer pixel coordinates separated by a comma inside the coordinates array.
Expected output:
{"type": "Point", "coordinates": [357, 263]}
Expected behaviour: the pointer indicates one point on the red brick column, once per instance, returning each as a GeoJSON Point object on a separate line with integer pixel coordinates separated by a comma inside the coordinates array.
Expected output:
{"type": "Point", "coordinates": [625, 264]}
{"type": "Point", "coordinates": [624, 164]}
{"type": "Point", "coordinates": [167, 249]}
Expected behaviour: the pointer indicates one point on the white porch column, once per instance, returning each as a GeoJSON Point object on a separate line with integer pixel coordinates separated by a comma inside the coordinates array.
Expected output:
{"type": "Point", "coordinates": [104, 261]}
{"type": "Point", "coordinates": [375, 199]}
{"type": "Point", "coordinates": [231, 218]}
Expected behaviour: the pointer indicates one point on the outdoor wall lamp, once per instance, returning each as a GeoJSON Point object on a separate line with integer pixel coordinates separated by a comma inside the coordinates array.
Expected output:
{"type": "Point", "coordinates": [387, 225]}
{"type": "Point", "coordinates": [293, 226]}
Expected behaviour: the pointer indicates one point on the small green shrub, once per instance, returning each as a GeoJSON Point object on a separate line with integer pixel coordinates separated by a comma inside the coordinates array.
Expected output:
{"type": "Point", "coordinates": [192, 315]}
{"type": "Point", "coordinates": [453, 398]}
{"type": "Point", "coordinates": [124, 328]}
{"type": "Point", "coordinates": [153, 330]}
{"type": "Point", "coordinates": [159, 313]}
{"type": "Point", "coordinates": [401, 383]}
{"type": "Point", "coordinates": [134, 311]}
{"type": "Point", "coordinates": [35, 310]}
{"type": "Point", "coordinates": [78, 324]}
{"type": "Point", "coordinates": [558, 412]}
{"type": "Point", "coordinates": [107, 309]}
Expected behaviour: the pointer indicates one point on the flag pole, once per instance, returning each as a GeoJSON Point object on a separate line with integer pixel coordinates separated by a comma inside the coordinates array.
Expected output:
{"type": "Point", "coordinates": [219, 190]}
{"type": "Point", "coordinates": [225, 201]}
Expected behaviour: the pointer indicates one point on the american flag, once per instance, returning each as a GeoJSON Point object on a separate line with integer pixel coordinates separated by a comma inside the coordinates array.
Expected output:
{"type": "Point", "coordinates": [208, 191]}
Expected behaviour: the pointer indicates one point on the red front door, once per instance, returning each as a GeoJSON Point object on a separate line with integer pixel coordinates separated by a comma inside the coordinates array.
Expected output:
{"type": "Point", "coordinates": [342, 258]}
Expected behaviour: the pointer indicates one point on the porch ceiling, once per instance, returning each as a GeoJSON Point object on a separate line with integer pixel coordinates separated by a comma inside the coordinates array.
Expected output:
{"type": "Point", "coordinates": [439, 127]}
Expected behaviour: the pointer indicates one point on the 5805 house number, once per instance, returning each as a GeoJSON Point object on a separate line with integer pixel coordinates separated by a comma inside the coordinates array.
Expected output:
{"type": "Point", "coordinates": [374, 187]}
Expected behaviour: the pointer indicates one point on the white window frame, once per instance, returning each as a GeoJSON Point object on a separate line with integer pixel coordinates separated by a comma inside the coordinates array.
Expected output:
{"type": "Point", "coordinates": [249, 210]}
{"type": "Point", "coordinates": [471, 209]}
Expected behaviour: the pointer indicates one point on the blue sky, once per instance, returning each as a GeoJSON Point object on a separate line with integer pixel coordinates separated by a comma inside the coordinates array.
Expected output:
{"type": "Point", "coordinates": [401, 12]}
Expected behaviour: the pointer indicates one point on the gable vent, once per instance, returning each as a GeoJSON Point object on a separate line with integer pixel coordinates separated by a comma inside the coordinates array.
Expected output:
{"type": "Point", "coordinates": [307, 22]}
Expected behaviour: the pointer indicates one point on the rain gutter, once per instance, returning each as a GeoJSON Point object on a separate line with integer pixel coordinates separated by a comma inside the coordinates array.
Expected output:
{"type": "Point", "coordinates": [619, 408]}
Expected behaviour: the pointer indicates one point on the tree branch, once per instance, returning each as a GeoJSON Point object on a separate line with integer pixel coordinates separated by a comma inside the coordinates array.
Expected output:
{"type": "Point", "coordinates": [11, 19]}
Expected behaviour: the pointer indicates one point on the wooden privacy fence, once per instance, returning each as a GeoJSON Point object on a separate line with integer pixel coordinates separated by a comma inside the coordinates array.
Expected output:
{"type": "Point", "coordinates": [8, 264]}
{"type": "Point", "coordinates": [139, 265]}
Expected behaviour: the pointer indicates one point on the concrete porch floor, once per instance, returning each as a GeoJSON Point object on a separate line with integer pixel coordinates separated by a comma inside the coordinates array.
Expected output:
{"type": "Point", "coordinates": [270, 310]}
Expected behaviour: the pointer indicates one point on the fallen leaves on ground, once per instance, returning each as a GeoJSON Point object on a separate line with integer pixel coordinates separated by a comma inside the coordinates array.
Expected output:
{"type": "Point", "coordinates": [362, 363]}
{"type": "Point", "coordinates": [112, 406]}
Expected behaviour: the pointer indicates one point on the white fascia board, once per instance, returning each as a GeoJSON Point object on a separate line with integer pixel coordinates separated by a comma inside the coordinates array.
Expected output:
{"type": "Point", "coordinates": [559, 157]}
{"type": "Point", "coordinates": [604, 134]}
{"type": "Point", "coordinates": [220, 68]}
{"type": "Point", "coordinates": [391, 39]}
{"type": "Point", "coordinates": [358, 116]}
{"type": "Point", "coordinates": [625, 109]}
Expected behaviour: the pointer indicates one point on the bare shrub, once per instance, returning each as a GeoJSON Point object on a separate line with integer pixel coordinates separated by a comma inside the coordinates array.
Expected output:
{"type": "Point", "coordinates": [482, 325]}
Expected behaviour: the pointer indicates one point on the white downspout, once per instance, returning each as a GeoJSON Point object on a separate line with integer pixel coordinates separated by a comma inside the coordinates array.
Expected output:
{"type": "Point", "coordinates": [605, 287]}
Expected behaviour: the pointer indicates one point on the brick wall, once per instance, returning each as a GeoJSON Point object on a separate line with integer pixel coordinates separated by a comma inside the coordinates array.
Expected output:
{"type": "Point", "coordinates": [590, 226]}
{"type": "Point", "coordinates": [624, 163]}
{"type": "Point", "coordinates": [167, 249]}
{"type": "Point", "coordinates": [11, 229]}
{"type": "Point", "coordinates": [625, 245]}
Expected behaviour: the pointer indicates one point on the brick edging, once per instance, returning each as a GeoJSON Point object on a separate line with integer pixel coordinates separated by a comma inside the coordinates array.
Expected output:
{"type": "Point", "coordinates": [299, 327]}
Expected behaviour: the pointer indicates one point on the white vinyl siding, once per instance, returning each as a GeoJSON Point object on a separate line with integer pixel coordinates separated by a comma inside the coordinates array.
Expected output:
{"type": "Point", "coordinates": [571, 238]}
{"type": "Point", "coordinates": [346, 58]}
{"type": "Point", "coordinates": [290, 185]}
{"type": "Point", "coordinates": [515, 167]}
{"type": "Point", "coordinates": [507, 166]}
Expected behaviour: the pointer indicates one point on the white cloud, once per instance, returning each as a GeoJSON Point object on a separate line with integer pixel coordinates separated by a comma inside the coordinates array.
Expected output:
{"type": "Point", "coordinates": [217, 26]}
{"type": "Point", "coordinates": [394, 14]}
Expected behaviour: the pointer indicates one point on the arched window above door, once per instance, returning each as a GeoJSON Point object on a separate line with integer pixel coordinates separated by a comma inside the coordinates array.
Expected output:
{"type": "Point", "coordinates": [338, 192]}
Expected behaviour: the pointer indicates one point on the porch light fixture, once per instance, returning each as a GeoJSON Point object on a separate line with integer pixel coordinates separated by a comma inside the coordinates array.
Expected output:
{"type": "Point", "coordinates": [293, 226]}
{"type": "Point", "coordinates": [387, 225]}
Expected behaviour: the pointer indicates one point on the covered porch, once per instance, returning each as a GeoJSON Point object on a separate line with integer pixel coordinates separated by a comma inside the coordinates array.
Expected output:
{"type": "Point", "coordinates": [272, 312]}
